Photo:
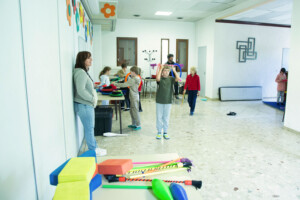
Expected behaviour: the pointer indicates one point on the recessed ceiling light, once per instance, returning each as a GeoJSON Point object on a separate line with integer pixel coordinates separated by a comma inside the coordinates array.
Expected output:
{"type": "Point", "coordinates": [136, 15]}
{"type": "Point", "coordinates": [163, 13]}
{"type": "Point", "coordinates": [179, 17]}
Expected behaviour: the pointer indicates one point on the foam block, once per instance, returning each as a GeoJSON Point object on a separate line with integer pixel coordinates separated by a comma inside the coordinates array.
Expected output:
{"type": "Point", "coordinates": [94, 184]}
{"type": "Point", "coordinates": [96, 171]}
{"type": "Point", "coordinates": [78, 169]}
{"type": "Point", "coordinates": [89, 153]}
{"type": "Point", "coordinates": [55, 173]}
{"type": "Point", "coordinates": [72, 191]}
{"type": "Point", "coordinates": [115, 166]}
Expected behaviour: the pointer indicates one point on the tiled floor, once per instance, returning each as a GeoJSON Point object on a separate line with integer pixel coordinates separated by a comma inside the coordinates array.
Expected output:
{"type": "Point", "coordinates": [248, 156]}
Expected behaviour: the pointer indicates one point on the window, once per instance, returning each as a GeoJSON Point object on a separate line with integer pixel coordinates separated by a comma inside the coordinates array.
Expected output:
{"type": "Point", "coordinates": [126, 51]}
{"type": "Point", "coordinates": [182, 53]}
{"type": "Point", "coordinates": [164, 50]}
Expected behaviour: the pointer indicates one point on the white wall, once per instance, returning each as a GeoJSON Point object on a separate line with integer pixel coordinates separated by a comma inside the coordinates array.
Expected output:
{"type": "Point", "coordinates": [270, 42]}
{"type": "Point", "coordinates": [293, 96]}
{"type": "Point", "coordinates": [149, 34]}
{"type": "Point", "coordinates": [205, 36]}
{"type": "Point", "coordinates": [97, 52]}
{"type": "Point", "coordinates": [16, 165]}
{"type": "Point", "coordinates": [41, 50]}
{"type": "Point", "coordinates": [40, 108]}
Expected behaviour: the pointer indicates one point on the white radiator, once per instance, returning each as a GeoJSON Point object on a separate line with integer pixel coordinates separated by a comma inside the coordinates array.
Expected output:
{"type": "Point", "coordinates": [240, 93]}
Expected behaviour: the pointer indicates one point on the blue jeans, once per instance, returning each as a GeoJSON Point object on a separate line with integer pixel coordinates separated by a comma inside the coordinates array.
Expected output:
{"type": "Point", "coordinates": [192, 99]}
{"type": "Point", "coordinates": [280, 97]}
{"type": "Point", "coordinates": [86, 114]}
{"type": "Point", "coordinates": [162, 117]}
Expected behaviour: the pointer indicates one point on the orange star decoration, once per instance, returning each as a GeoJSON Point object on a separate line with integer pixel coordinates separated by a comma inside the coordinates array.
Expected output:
{"type": "Point", "coordinates": [108, 10]}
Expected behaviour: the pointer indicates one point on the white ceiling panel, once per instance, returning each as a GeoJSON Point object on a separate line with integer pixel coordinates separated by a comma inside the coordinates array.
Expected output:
{"type": "Point", "coordinates": [275, 12]}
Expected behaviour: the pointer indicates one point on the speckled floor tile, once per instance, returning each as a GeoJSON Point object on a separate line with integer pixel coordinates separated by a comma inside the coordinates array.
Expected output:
{"type": "Point", "coordinates": [248, 156]}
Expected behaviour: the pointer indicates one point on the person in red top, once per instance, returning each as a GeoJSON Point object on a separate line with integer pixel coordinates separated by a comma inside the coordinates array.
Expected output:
{"type": "Point", "coordinates": [281, 86]}
{"type": "Point", "coordinates": [193, 85]}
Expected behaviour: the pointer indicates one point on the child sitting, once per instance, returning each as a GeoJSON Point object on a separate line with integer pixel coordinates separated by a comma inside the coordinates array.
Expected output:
{"type": "Point", "coordinates": [193, 85]}
{"type": "Point", "coordinates": [133, 85]}
{"type": "Point", "coordinates": [104, 81]}
{"type": "Point", "coordinates": [164, 99]}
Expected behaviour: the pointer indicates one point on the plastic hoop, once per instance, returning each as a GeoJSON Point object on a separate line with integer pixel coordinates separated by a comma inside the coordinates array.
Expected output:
{"type": "Point", "coordinates": [176, 64]}
{"type": "Point", "coordinates": [127, 75]}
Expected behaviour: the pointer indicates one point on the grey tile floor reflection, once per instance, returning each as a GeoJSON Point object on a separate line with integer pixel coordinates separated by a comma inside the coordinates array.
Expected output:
{"type": "Point", "coordinates": [248, 156]}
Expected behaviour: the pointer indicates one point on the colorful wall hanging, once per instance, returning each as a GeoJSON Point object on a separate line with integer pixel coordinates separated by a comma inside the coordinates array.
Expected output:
{"type": "Point", "coordinates": [69, 12]}
{"type": "Point", "coordinates": [74, 6]}
{"type": "Point", "coordinates": [81, 12]}
{"type": "Point", "coordinates": [85, 33]}
{"type": "Point", "coordinates": [108, 10]}
{"type": "Point", "coordinates": [77, 20]}
{"type": "Point", "coordinates": [88, 28]}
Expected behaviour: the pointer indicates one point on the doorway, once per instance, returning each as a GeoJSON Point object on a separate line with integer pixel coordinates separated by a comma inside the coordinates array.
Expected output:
{"type": "Point", "coordinates": [182, 53]}
{"type": "Point", "coordinates": [202, 51]}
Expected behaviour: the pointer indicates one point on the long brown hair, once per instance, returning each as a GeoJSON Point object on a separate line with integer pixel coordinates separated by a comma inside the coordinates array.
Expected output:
{"type": "Point", "coordinates": [104, 71]}
{"type": "Point", "coordinates": [81, 58]}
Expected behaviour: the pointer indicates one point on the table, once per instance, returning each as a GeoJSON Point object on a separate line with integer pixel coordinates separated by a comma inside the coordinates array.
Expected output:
{"type": "Point", "coordinates": [116, 99]}
{"type": "Point", "coordinates": [146, 82]}
{"type": "Point", "coordinates": [143, 194]}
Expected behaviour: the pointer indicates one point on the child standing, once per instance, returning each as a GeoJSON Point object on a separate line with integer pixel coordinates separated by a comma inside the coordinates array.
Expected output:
{"type": "Point", "coordinates": [122, 73]}
{"type": "Point", "coordinates": [164, 99]}
{"type": "Point", "coordinates": [133, 85]}
{"type": "Point", "coordinates": [104, 80]}
{"type": "Point", "coordinates": [281, 86]}
{"type": "Point", "coordinates": [193, 85]}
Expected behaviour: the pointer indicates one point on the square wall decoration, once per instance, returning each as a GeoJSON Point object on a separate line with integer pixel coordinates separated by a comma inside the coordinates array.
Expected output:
{"type": "Point", "coordinates": [246, 50]}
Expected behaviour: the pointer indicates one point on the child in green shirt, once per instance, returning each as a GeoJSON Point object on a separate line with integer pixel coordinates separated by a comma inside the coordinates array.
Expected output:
{"type": "Point", "coordinates": [164, 99]}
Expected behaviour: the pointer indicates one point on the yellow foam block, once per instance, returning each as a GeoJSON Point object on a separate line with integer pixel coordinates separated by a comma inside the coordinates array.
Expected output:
{"type": "Point", "coordinates": [78, 169]}
{"type": "Point", "coordinates": [72, 191]}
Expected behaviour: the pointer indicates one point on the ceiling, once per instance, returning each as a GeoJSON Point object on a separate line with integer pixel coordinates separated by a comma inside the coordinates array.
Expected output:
{"type": "Point", "coordinates": [188, 10]}
{"type": "Point", "coordinates": [275, 12]}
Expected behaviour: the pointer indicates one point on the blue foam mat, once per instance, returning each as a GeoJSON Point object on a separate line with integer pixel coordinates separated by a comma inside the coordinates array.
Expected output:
{"type": "Point", "coordinates": [274, 105]}
{"type": "Point", "coordinates": [94, 184]}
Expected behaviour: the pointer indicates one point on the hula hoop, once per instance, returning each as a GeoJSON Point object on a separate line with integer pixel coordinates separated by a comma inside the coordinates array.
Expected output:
{"type": "Point", "coordinates": [176, 64]}
{"type": "Point", "coordinates": [127, 75]}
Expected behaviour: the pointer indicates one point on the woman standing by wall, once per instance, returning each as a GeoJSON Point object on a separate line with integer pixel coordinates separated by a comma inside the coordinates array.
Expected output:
{"type": "Point", "coordinates": [85, 99]}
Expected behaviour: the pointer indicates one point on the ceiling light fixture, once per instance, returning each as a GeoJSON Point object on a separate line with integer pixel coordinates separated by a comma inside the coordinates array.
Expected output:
{"type": "Point", "coordinates": [179, 17]}
{"type": "Point", "coordinates": [163, 13]}
{"type": "Point", "coordinates": [136, 15]}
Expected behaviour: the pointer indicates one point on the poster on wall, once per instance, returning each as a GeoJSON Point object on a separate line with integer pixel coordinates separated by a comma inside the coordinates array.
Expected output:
{"type": "Point", "coordinates": [83, 24]}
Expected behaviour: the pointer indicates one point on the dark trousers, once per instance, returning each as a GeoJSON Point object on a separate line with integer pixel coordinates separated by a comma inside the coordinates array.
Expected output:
{"type": "Point", "coordinates": [140, 105]}
{"type": "Point", "coordinates": [176, 88]}
{"type": "Point", "coordinates": [126, 95]}
{"type": "Point", "coordinates": [192, 99]}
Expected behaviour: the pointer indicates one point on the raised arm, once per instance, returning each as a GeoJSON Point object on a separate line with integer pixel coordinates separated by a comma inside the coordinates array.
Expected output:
{"type": "Point", "coordinates": [158, 76]}
{"type": "Point", "coordinates": [177, 78]}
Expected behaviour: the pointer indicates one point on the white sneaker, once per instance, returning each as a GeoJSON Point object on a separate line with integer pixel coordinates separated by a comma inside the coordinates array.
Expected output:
{"type": "Point", "coordinates": [100, 152]}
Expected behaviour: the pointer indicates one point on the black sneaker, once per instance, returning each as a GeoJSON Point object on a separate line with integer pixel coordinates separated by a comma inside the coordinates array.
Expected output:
{"type": "Point", "coordinates": [231, 114]}
{"type": "Point", "coordinates": [127, 109]}
{"type": "Point", "coordinates": [177, 97]}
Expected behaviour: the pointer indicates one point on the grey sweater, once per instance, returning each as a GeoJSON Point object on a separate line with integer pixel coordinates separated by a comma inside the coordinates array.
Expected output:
{"type": "Point", "coordinates": [83, 90]}
{"type": "Point", "coordinates": [133, 85]}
